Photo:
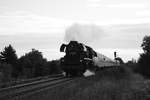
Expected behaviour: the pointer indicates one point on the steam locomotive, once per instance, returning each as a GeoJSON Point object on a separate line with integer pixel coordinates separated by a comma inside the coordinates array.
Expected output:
{"type": "Point", "coordinates": [78, 58]}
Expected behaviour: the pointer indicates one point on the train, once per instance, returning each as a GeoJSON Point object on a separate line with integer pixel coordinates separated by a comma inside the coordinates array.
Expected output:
{"type": "Point", "coordinates": [79, 57]}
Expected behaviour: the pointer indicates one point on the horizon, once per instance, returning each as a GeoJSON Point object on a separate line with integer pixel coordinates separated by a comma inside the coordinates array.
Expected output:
{"type": "Point", "coordinates": [55, 54]}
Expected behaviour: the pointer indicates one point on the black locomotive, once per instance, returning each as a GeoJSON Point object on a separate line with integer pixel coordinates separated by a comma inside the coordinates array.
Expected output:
{"type": "Point", "coordinates": [78, 58]}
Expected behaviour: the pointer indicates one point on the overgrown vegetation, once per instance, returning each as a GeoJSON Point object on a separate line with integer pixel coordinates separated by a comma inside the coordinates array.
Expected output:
{"type": "Point", "coordinates": [144, 60]}
{"type": "Point", "coordinates": [30, 65]}
{"type": "Point", "coordinates": [115, 83]}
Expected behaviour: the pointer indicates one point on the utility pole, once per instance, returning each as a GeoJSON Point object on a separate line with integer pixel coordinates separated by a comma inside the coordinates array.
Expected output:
{"type": "Point", "coordinates": [115, 56]}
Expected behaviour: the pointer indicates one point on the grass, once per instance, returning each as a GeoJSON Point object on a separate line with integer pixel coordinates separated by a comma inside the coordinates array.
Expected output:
{"type": "Point", "coordinates": [116, 83]}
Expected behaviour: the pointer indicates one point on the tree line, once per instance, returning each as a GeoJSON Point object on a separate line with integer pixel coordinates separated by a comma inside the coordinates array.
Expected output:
{"type": "Point", "coordinates": [33, 64]}
{"type": "Point", "coordinates": [30, 65]}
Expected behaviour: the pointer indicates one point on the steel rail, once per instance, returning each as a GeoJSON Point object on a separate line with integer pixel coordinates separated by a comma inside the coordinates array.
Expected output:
{"type": "Point", "coordinates": [13, 83]}
{"type": "Point", "coordinates": [27, 88]}
{"type": "Point", "coordinates": [40, 89]}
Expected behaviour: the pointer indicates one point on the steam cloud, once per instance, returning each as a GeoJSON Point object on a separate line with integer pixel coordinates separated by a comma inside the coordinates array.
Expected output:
{"type": "Point", "coordinates": [83, 33]}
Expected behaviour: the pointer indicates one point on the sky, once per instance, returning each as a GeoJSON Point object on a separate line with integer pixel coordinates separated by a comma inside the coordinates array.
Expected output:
{"type": "Point", "coordinates": [105, 25]}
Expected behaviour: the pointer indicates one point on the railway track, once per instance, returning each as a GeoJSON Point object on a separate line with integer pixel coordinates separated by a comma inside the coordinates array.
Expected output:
{"type": "Point", "coordinates": [27, 89]}
{"type": "Point", "coordinates": [13, 83]}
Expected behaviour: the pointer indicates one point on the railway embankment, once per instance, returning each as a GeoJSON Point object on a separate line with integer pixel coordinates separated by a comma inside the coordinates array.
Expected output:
{"type": "Point", "coordinates": [116, 83]}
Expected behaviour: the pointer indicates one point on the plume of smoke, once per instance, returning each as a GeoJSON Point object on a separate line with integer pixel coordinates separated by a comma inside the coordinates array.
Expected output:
{"type": "Point", "coordinates": [84, 33]}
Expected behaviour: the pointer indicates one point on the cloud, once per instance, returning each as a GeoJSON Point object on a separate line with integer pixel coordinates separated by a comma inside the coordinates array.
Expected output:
{"type": "Point", "coordinates": [144, 13]}
{"type": "Point", "coordinates": [84, 33]}
{"type": "Point", "coordinates": [125, 35]}
{"type": "Point", "coordinates": [94, 1]}
{"type": "Point", "coordinates": [24, 22]}
{"type": "Point", "coordinates": [126, 5]}
{"type": "Point", "coordinates": [117, 3]}
{"type": "Point", "coordinates": [113, 36]}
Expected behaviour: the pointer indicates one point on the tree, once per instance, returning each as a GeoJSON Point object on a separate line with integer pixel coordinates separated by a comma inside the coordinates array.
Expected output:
{"type": "Point", "coordinates": [54, 67]}
{"type": "Point", "coordinates": [144, 60]}
{"type": "Point", "coordinates": [32, 63]}
{"type": "Point", "coordinates": [146, 44]}
{"type": "Point", "coordinates": [9, 56]}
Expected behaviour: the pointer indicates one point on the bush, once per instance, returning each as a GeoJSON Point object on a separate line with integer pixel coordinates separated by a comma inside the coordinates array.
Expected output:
{"type": "Point", "coordinates": [144, 64]}
{"type": "Point", "coordinates": [6, 72]}
{"type": "Point", "coordinates": [54, 67]}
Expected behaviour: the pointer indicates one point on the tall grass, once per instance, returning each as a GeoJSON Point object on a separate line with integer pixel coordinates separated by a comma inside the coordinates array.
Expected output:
{"type": "Point", "coordinates": [116, 83]}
